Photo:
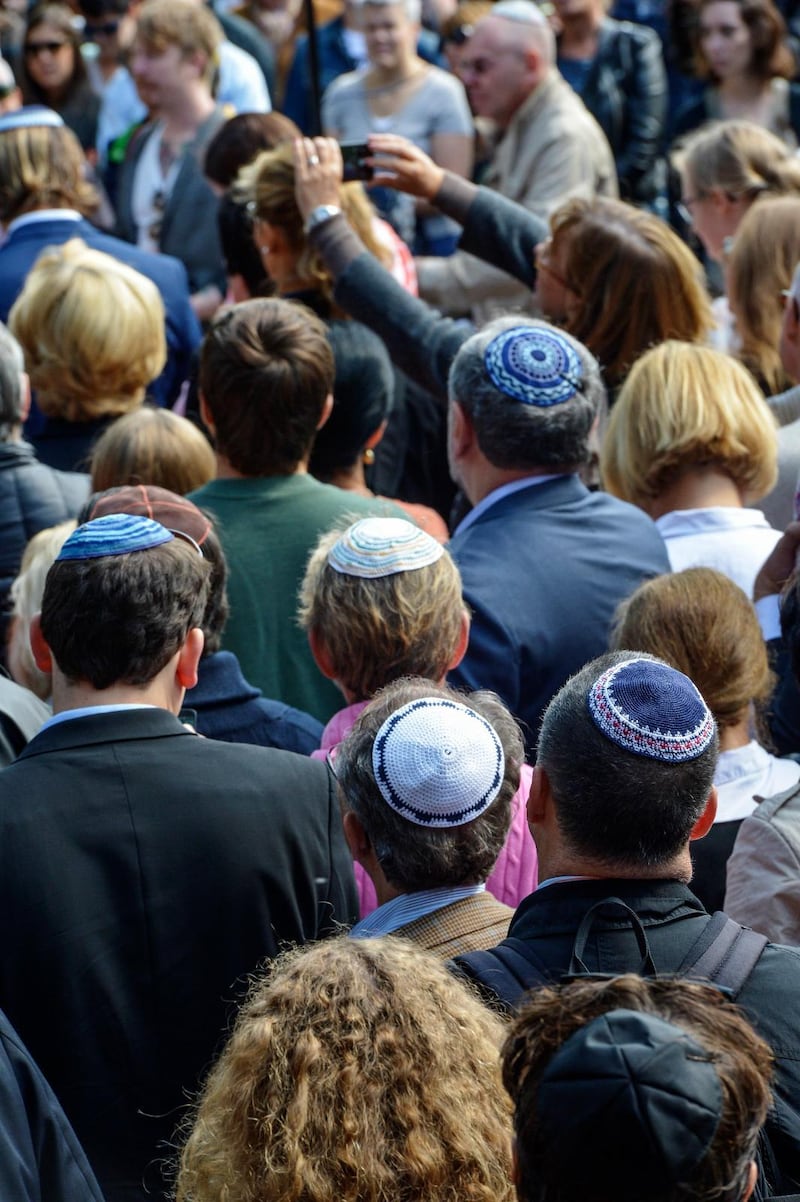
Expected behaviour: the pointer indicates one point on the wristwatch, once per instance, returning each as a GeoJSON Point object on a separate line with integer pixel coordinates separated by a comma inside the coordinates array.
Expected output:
{"type": "Point", "coordinates": [320, 215]}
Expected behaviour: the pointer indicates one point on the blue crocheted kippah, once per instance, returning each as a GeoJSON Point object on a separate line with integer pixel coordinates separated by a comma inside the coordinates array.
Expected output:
{"type": "Point", "coordinates": [437, 763]}
{"type": "Point", "coordinates": [653, 710]}
{"type": "Point", "coordinates": [638, 1096]}
{"type": "Point", "coordinates": [32, 116]}
{"type": "Point", "coordinates": [114, 534]}
{"type": "Point", "coordinates": [535, 365]}
{"type": "Point", "coordinates": [376, 547]}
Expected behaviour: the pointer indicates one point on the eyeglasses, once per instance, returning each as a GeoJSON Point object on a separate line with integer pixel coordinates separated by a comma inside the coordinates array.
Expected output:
{"type": "Point", "coordinates": [34, 49]}
{"type": "Point", "coordinates": [685, 206]}
{"type": "Point", "coordinates": [480, 66]}
{"type": "Point", "coordinates": [105, 29]}
{"type": "Point", "coordinates": [6, 89]}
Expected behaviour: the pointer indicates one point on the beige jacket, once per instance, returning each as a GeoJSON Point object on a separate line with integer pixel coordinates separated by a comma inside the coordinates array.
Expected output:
{"type": "Point", "coordinates": [552, 150]}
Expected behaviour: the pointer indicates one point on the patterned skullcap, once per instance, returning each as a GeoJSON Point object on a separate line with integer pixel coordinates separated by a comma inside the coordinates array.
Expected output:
{"type": "Point", "coordinates": [535, 365]}
{"type": "Point", "coordinates": [114, 534]}
{"type": "Point", "coordinates": [376, 547]}
{"type": "Point", "coordinates": [437, 763]}
{"type": "Point", "coordinates": [638, 1096]}
{"type": "Point", "coordinates": [652, 710]}
{"type": "Point", "coordinates": [32, 116]}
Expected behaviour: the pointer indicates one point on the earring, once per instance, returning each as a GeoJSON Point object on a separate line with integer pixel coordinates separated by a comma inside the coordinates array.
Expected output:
{"type": "Point", "coordinates": [368, 458]}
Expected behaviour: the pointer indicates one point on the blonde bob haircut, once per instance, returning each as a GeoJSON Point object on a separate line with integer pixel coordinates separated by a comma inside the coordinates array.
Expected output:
{"type": "Point", "coordinates": [359, 1070]}
{"type": "Point", "coordinates": [637, 284]}
{"type": "Point", "coordinates": [686, 406]}
{"type": "Point", "coordinates": [268, 185]}
{"type": "Point", "coordinates": [376, 631]}
{"type": "Point", "coordinates": [152, 446]}
{"type": "Point", "coordinates": [704, 625]}
{"type": "Point", "coordinates": [740, 159]}
{"type": "Point", "coordinates": [92, 330]}
{"type": "Point", "coordinates": [761, 265]}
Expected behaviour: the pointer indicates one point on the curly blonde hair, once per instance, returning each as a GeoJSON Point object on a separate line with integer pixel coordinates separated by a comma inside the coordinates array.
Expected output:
{"type": "Point", "coordinates": [358, 1071]}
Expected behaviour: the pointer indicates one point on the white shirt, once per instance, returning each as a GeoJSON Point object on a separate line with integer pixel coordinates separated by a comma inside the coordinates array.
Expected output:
{"type": "Point", "coordinates": [734, 541]}
{"type": "Point", "coordinates": [748, 772]}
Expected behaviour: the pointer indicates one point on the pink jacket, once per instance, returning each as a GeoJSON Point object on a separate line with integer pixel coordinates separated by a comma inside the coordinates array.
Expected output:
{"type": "Point", "coordinates": [516, 872]}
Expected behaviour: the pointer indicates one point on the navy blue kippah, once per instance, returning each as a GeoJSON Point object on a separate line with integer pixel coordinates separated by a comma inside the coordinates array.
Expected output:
{"type": "Point", "coordinates": [651, 709]}
{"type": "Point", "coordinates": [637, 1096]}
{"type": "Point", "coordinates": [534, 364]}
{"type": "Point", "coordinates": [114, 534]}
{"type": "Point", "coordinates": [32, 116]}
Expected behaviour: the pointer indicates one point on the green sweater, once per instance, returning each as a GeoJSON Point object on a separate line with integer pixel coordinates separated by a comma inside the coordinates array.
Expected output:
{"type": "Point", "coordinates": [268, 527]}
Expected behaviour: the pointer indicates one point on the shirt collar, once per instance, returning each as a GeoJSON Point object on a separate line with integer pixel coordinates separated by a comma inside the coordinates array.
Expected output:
{"type": "Point", "coordinates": [42, 215]}
{"type": "Point", "coordinates": [402, 910]}
{"type": "Point", "coordinates": [505, 490]}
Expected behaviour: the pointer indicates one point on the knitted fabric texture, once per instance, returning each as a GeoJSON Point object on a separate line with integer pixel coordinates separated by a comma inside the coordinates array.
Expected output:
{"type": "Point", "coordinates": [437, 763]}
{"type": "Point", "coordinates": [533, 365]}
{"type": "Point", "coordinates": [114, 534]}
{"type": "Point", "coordinates": [376, 547]}
{"type": "Point", "coordinates": [652, 710]}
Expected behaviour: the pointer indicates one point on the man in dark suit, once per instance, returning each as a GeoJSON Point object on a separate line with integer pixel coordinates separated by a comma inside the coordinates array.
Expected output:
{"type": "Point", "coordinates": [145, 871]}
{"type": "Point", "coordinates": [44, 199]}
{"type": "Point", "coordinates": [544, 561]}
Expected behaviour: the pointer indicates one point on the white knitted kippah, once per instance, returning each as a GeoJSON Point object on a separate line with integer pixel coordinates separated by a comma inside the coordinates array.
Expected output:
{"type": "Point", "coordinates": [437, 763]}
{"type": "Point", "coordinates": [376, 547]}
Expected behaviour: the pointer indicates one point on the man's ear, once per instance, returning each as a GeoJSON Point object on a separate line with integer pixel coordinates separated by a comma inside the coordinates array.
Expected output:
{"type": "Point", "coordinates": [463, 641]}
{"type": "Point", "coordinates": [462, 431]}
{"type": "Point", "coordinates": [706, 820]}
{"type": "Point", "coordinates": [356, 837]}
{"type": "Point", "coordinates": [319, 650]}
{"type": "Point", "coordinates": [189, 658]}
{"type": "Point", "coordinates": [540, 796]}
{"type": "Point", "coordinates": [42, 655]}
{"type": "Point", "coordinates": [326, 411]}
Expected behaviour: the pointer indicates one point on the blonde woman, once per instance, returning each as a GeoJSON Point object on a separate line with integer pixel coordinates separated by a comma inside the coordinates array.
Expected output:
{"type": "Point", "coordinates": [92, 331]}
{"type": "Point", "coordinates": [358, 1069]}
{"type": "Point", "coordinates": [27, 591]}
{"type": "Point", "coordinates": [692, 442]}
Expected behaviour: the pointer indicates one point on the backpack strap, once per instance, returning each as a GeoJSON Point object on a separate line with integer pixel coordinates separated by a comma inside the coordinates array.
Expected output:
{"type": "Point", "coordinates": [725, 954]}
{"type": "Point", "coordinates": [503, 974]}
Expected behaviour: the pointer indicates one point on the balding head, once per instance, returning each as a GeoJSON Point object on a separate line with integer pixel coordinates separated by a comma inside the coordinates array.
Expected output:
{"type": "Point", "coordinates": [508, 56]}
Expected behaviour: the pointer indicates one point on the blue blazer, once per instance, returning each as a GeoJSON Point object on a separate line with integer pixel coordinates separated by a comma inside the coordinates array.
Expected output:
{"type": "Point", "coordinates": [544, 570]}
{"type": "Point", "coordinates": [24, 245]}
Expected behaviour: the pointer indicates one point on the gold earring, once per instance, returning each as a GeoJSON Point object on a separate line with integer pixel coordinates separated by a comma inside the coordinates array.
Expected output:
{"type": "Point", "coordinates": [368, 458]}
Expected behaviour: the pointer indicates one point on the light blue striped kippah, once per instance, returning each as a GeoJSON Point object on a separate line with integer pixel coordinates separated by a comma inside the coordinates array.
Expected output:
{"type": "Point", "coordinates": [114, 534]}
{"type": "Point", "coordinates": [32, 116]}
{"type": "Point", "coordinates": [376, 547]}
{"type": "Point", "coordinates": [535, 365]}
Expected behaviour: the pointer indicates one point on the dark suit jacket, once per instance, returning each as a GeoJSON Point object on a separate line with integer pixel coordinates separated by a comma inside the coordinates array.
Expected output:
{"type": "Point", "coordinates": [544, 570]}
{"type": "Point", "coordinates": [189, 228]}
{"type": "Point", "coordinates": [144, 871]}
{"type": "Point", "coordinates": [24, 245]}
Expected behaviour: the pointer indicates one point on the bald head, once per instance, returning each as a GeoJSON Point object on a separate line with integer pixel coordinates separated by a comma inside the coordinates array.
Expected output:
{"type": "Point", "coordinates": [508, 56]}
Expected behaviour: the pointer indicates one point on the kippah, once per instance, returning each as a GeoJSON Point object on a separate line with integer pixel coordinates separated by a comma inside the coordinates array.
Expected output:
{"type": "Point", "coordinates": [152, 501]}
{"type": "Point", "coordinates": [437, 763]}
{"type": "Point", "coordinates": [651, 709]}
{"type": "Point", "coordinates": [114, 534]}
{"type": "Point", "coordinates": [377, 547]}
{"type": "Point", "coordinates": [638, 1098]}
{"type": "Point", "coordinates": [30, 117]}
{"type": "Point", "coordinates": [535, 365]}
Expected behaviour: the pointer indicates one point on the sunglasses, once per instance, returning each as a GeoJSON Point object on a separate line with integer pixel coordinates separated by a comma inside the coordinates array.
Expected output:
{"type": "Point", "coordinates": [105, 29]}
{"type": "Point", "coordinates": [34, 49]}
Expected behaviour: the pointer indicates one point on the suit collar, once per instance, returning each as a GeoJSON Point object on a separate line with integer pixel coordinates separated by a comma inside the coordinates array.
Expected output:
{"type": "Point", "coordinates": [54, 226]}
{"type": "Point", "coordinates": [117, 726]}
{"type": "Point", "coordinates": [562, 491]}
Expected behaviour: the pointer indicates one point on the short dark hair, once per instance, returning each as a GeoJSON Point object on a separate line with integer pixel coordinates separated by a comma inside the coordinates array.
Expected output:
{"type": "Point", "coordinates": [516, 436]}
{"type": "Point", "coordinates": [266, 369]}
{"type": "Point", "coordinates": [12, 365]}
{"type": "Point", "coordinates": [240, 140]}
{"type": "Point", "coordinates": [741, 1058]}
{"type": "Point", "coordinates": [94, 9]}
{"type": "Point", "coordinates": [611, 804]}
{"type": "Point", "coordinates": [417, 857]}
{"type": "Point", "coordinates": [363, 392]}
{"type": "Point", "coordinates": [241, 255]}
{"type": "Point", "coordinates": [120, 618]}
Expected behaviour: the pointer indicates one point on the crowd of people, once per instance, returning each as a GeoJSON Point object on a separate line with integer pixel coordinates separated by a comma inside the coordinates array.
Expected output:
{"type": "Point", "coordinates": [399, 614]}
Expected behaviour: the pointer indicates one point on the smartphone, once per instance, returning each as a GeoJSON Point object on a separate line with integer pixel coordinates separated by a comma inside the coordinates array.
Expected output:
{"type": "Point", "coordinates": [353, 155]}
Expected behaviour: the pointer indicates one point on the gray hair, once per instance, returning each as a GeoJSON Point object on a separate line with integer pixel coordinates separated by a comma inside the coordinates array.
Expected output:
{"type": "Point", "coordinates": [516, 436]}
{"type": "Point", "coordinates": [12, 365]}
{"type": "Point", "coordinates": [413, 8]}
{"type": "Point", "coordinates": [417, 857]}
